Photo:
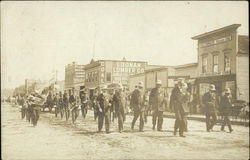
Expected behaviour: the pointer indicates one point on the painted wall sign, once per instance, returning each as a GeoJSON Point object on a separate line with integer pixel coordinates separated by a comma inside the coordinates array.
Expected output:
{"type": "Point", "coordinates": [128, 67]}
{"type": "Point", "coordinates": [217, 41]}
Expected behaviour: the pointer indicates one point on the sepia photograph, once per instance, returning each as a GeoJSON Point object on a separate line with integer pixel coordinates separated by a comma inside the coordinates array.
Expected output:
{"type": "Point", "coordinates": [124, 80]}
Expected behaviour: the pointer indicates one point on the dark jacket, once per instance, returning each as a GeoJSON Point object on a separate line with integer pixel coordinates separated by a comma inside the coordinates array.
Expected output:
{"type": "Point", "coordinates": [104, 103]}
{"type": "Point", "coordinates": [60, 100]}
{"type": "Point", "coordinates": [158, 99]}
{"type": "Point", "coordinates": [225, 105]}
{"type": "Point", "coordinates": [72, 99]}
{"type": "Point", "coordinates": [117, 102]}
{"type": "Point", "coordinates": [55, 101]}
{"type": "Point", "coordinates": [65, 100]}
{"type": "Point", "coordinates": [210, 102]}
{"type": "Point", "coordinates": [49, 100]}
{"type": "Point", "coordinates": [136, 101]}
{"type": "Point", "coordinates": [84, 99]}
{"type": "Point", "coordinates": [180, 100]}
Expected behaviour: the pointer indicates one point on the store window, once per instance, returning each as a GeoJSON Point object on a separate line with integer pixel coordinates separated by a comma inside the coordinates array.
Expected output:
{"type": "Point", "coordinates": [227, 62]}
{"type": "Point", "coordinates": [96, 76]}
{"type": "Point", "coordinates": [204, 64]}
{"type": "Point", "coordinates": [215, 63]}
{"type": "Point", "coordinates": [108, 76]}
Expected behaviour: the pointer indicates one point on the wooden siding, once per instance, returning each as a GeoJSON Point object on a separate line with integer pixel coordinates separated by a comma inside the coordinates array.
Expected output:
{"type": "Point", "coordinates": [242, 77]}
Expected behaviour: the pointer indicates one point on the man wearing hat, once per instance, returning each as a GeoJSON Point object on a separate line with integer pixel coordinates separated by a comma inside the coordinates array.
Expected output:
{"type": "Point", "coordinates": [103, 106]}
{"type": "Point", "coordinates": [210, 102]}
{"type": "Point", "coordinates": [49, 101]}
{"type": "Point", "coordinates": [137, 106]}
{"type": "Point", "coordinates": [60, 103]}
{"type": "Point", "coordinates": [225, 108]}
{"type": "Point", "coordinates": [84, 100]}
{"type": "Point", "coordinates": [66, 105]}
{"type": "Point", "coordinates": [179, 98]}
{"type": "Point", "coordinates": [157, 101]}
{"type": "Point", "coordinates": [119, 99]}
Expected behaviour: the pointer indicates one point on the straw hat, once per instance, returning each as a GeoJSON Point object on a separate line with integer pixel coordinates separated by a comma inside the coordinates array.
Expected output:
{"type": "Point", "coordinates": [158, 82]}
{"type": "Point", "coordinates": [212, 87]}
{"type": "Point", "coordinates": [140, 84]}
{"type": "Point", "coordinates": [227, 90]}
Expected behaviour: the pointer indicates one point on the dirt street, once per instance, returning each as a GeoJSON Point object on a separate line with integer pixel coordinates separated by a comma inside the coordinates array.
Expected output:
{"type": "Point", "coordinates": [54, 138]}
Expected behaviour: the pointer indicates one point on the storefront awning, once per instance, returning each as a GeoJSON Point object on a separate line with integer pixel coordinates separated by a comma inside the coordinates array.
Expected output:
{"type": "Point", "coordinates": [218, 78]}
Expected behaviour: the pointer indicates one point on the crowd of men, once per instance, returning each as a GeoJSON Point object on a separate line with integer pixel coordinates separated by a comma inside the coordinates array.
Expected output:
{"type": "Point", "coordinates": [110, 104]}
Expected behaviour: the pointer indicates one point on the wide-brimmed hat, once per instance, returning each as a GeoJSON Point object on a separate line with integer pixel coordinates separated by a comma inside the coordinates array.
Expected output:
{"type": "Point", "coordinates": [227, 90]}
{"type": "Point", "coordinates": [158, 82]}
{"type": "Point", "coordinates": [212, 87]}
{"type": "Point", "coordinates": [184, 85]}
{"type": "Point", "coordinates": [140, 84]}
{"type": "Point", "coordinates": [180, 80]}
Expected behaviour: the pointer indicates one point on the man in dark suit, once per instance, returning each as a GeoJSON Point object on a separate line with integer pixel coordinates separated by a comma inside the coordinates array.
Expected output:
{"type": "Point", "coordinates": [119, 105]}
{"type": "Point", "coordinates": [84, 103]}
{"type": "Point", "coordinates": [60, 103]}
{"type": "Point", "coordinates": [225, 108]}
{"type": "Point", "coordinates": [210, 102]}
{"type": "Point", "coordinates": [138, 106]}
{"type": "Point", "coordinates": [180, 97]}
{"type": "Point", "coordinates": [103, 108]}
{"type": "Point", "coordinates": [158, 102]}
{"type": "Point", "coordinates": [66, 105]}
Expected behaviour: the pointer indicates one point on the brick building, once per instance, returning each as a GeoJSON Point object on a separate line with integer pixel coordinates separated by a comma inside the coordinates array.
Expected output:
{"type": "Point", "coordinates": [105, 72]}
{"type": "Point", "coordinates": [74, 76]}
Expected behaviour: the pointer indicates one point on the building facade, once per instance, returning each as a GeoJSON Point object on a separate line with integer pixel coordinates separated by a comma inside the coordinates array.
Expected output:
{"type": "Point", "coordinates": [104, 72]}
{"type": "Point", "coordinates": [187, 70]}
{"type": "Point", "coordinates": [74, 76]}
{"type": "Point", "coordinates": [217, 60]}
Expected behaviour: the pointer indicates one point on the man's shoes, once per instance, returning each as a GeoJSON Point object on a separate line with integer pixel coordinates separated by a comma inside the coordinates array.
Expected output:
{"type": "Point", "coordinates": [231, 131]}
{"type": "Point", "coordinates": [181, 135]}
{"type": "Point", "coordinates": [175, 133]}
{"type": "Point", "coordinates": [141, 131]}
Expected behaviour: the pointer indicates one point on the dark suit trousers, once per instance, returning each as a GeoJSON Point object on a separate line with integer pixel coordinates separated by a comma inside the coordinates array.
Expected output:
{"type": "Point", "coordinates": [136, 115]}
{"type": "Point", "coordinates": [157, 115]}
{"type": "Point", "coordinates": [181, 124]}
{"type": "Point", "coordinates": [103, 118]}
{"type": "Point", "coordinates": [226, 121]}
{"type": "Point", "coordinates": [120, 121]}
{"type": "Point", "coordinates": [210, 122]}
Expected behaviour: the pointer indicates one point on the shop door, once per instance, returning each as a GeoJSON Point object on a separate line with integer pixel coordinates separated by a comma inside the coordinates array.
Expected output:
{"type": "Point", "coordinates": [91, 93]}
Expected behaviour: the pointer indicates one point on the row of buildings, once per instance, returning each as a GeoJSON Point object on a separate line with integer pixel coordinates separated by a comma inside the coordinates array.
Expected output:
{"type": "Point", "coordinates": [222, 60]}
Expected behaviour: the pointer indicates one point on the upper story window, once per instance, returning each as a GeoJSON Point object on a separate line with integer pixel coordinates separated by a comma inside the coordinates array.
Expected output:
{"type": "Point", "coordinates": [204, 64]}
{"type": "Point", "coordinates": [227, 67]}
{"type": "Point", "coordinates": [215, 63]}
{"type": "Point", "coordinates": [108, 76]}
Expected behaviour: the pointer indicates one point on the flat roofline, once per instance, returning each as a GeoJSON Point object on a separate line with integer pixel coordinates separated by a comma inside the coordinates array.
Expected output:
{"type": "Point", "coordinates": [186, 65]}
{"type": "Point", "coordinates": [156, 69]}
{"type": "Point", "coordinates": [121, 61]}
{"type": "Point", "coordinates": [216, 31]}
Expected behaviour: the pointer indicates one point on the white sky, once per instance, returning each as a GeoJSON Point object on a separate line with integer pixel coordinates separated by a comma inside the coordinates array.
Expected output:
{"type": "Point", "coordinates": [37, 37]}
